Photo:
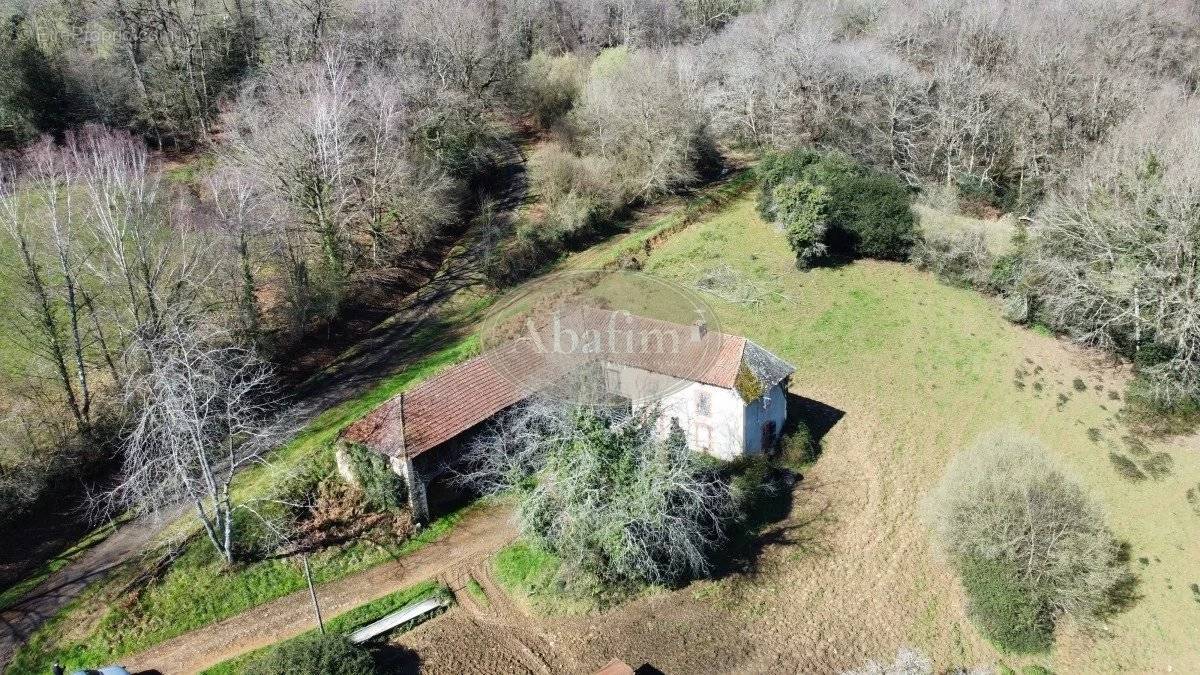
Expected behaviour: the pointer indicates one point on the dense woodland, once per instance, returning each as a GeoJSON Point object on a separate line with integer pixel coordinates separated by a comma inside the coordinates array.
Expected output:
{"type": "Point", "coordinates": [247, 171]}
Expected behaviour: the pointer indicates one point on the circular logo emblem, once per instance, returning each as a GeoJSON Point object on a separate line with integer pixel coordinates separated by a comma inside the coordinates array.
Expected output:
{"type": "Point", "coordinates": [606, 338]}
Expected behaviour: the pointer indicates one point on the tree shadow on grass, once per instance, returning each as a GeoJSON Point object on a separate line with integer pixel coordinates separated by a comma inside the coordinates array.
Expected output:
{"type": "Point", "coordinates": [1125, 593]}
{"type": "Point", "coordinates": [806, 533]}
{"type": "Point", "coordinates": [830, 261]}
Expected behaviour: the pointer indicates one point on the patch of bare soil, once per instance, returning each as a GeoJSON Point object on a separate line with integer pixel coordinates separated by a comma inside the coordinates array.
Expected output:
{"type": "Point", "coordinates": [485, 633]}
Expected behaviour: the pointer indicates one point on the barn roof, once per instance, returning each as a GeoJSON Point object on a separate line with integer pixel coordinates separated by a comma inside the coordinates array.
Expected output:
{"type": "Point", "coordinates": [465, 395]}
{"type": "Point", "coordinates": [768, 368]}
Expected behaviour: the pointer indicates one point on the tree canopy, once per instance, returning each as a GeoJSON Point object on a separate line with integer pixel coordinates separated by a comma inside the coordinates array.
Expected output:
{"type": "Point", "coordinates": [617, 500]}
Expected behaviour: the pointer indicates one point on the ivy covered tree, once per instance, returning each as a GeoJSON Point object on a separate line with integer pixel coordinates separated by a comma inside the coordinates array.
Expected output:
{"type": "Point", "coordinates": [619, 500]}
{"type": "Point", "coordinates": [803, 210]}
{"type": "Point", "coordinates": [828, 203]}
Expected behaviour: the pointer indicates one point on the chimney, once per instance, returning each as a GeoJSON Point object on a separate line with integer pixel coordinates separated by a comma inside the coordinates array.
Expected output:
{"type": "Point", "coordinates": [699, 330]}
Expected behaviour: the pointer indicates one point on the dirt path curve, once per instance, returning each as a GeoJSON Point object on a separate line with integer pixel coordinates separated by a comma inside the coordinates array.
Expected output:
{"type": "Point", "coordinates": [480, 533]}
{"type": "Point", "coordinates": [45, 600]}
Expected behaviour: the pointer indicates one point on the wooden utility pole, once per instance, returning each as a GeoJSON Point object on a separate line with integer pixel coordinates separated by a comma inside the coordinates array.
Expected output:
{"type": "Point", "coordinates": [312, 593]}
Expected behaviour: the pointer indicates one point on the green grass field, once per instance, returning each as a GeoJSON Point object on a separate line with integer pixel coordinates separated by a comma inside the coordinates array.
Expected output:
{"type": "Point", "coordinates": [919, 369]}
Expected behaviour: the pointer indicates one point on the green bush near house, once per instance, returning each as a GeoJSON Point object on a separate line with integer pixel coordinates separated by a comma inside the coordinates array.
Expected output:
{"type": "Point", "coordinates": [318, 654]}
{"type": "Point", "coordinates": [1006, 611]}
{"type": "Point", "coordinates": [798, 448]}
{"type": "Point", "coordinates": [751, 484]}
{"type": "Point", "coordinates": [384, 490]}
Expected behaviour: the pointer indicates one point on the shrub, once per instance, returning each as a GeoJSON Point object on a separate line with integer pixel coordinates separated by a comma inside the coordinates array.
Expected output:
{"type": "Point", "coordinates": [1015, 524]}
{"type": "Point", "coordinates": [577, 193]}
{"type": "Point", "coordinates": [1126, 467]}
{"type": "Point", "coordinates": [1005, 273]}
{"type": "Point", "coordinates": [1149, 414]}
{"type": "Point", "coordinates": [383, 489]}
{"type": "Point", "coordinates": [314, 655]}
{"type": "Point", "coordinates": [798, 447]}
{"type": "Point", "coordinates": [550, 85]}
{"type": "Point", "coordinates": [829, 202]}
{"type": "Point", "coordinates": [1007, 611]}
{"type": "Point", "coordinates": [1159, 465]}
{"type": "Point", "coordinates": [874, 215]}
{"type": "Point", "coordinates": [959, 258]}
{"type": "Point", "coordinates": [751, 483]}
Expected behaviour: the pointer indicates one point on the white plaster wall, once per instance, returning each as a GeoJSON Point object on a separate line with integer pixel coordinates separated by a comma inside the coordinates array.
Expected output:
{"type": "Point", "coordinates": [720, 433]}
{"type": "Point", "coordinates": [772, 407]}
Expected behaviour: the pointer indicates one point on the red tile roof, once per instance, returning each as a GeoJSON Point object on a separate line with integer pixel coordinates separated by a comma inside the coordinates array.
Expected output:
{"type": "Point", "coordinates": [470, 393]}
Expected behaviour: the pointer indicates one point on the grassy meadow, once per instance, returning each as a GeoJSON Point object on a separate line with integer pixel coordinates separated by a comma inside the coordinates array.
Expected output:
{"type": "Point", "coordinates": [919, 369]}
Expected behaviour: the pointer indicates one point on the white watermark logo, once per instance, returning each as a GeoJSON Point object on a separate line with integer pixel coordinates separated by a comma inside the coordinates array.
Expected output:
{"type": "Point", "coordinates": [610, 336]}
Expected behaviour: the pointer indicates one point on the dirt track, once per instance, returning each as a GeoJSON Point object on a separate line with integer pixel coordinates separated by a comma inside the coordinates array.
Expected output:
{"type": "Point", "coordinates": [481, 533]}
{"type": "Point", "coordinates": [60, 588]}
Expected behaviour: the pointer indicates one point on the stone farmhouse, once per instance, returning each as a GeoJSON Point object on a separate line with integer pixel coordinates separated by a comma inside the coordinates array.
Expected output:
{"type": "Point", "coordinates": [727, 393]}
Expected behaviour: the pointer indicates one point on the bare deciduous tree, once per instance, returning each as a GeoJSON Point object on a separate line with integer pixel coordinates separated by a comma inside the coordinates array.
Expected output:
{"type": "Point", "coordinates": [203, 411]}
{"type": "Point", "coordinates": [155, 269]}
{"type": "Point", "coordinates": [1115, 257]}
{"type": "Point", "coordinates": [333, 145]}
{"type": "Point", "coordinates": [43, 221]}
{"type": "Point", "coordinates": [244, 217]}
{"type": "Point", "coordinates": [640, 112]}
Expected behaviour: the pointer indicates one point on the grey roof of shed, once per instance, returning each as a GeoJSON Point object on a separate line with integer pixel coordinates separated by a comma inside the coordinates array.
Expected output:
{"type": "Point", "coordinates": [768, 368]}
